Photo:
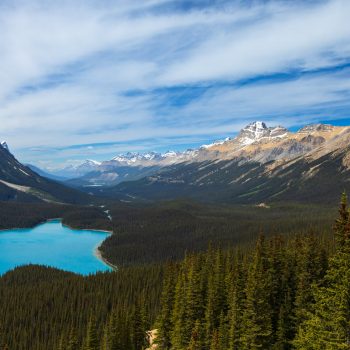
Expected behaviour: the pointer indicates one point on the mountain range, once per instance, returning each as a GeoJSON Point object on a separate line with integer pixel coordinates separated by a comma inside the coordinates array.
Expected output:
{"type": "Point", "coordinates": [123, 167]}
{"type": "Point", "coordinates": [260, 164]}
{"type": "Point", "coordinates": [20, 183]}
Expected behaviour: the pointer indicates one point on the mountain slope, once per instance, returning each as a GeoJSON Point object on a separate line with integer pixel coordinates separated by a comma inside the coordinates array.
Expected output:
{"type": "Point", "coordinates": [260, 164]}
{"type": "Point", "coordinates": [45, 174]}
{"type": "Point", "coordinates": [307, 181]}
{"type": "Point", "coordinates": [255, 142]}
{"type": "Point", "coordinates": [124, 167]}
{"type": "Point", "coordinates": [109, 176]}
{"type": "Point", "coordinates": [20, 183]}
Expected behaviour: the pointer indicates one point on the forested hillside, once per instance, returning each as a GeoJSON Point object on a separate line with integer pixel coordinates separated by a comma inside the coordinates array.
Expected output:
{"type": "Point", "coordinates": [19, 183]}
{"type": "Point", "coordinates": [21, 215]}
{"type": "Point", "coordinates": [287, 292]}
{"type": "Point", "coordinates": [290, 294]}
{"type": "Point", "coordinates": [167, 230]}
{"type": "Point", "coordinates": [43, 308]}
{"type": "Point", "coordinates": [304, 180]}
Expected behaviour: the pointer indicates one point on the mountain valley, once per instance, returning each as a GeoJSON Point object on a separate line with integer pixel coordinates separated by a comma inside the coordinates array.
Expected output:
{"type": "Point", "coordinates": [260, 164]}
{"type": "Point", "coordinates": [21, 184]}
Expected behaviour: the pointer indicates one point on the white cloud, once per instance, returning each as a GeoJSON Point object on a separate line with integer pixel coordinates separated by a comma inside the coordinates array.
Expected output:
{"type": "Point", "coordinates": [88, 72]}
{"type": "Point", "coordinates": [296, 37]}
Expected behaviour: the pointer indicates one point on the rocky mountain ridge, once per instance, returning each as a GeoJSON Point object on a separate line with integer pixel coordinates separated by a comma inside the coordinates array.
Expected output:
{"type": "Point", "coordinates": [312, 164]}
{"type": "Point", "coordinates": [260, 164]}
{"type": "Point", "coordinates": [255, 142]}
{"type": "Point", "coordinates": [20, 183]}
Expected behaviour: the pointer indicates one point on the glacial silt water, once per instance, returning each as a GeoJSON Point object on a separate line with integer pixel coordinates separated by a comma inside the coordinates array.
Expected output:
{"type": "Point", "coordinates": [54, 245]}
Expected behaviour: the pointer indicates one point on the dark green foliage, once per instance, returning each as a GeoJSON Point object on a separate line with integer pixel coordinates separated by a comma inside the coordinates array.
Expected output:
{"type": "Point", "coordinates": [217, 298]}
{"type": "Point", "coordinates": [87, 218]}
{"type": "Point", "coordinates": [230, 181]}
{"type": "Point", "coordinates": [226, 299]}
{"type": "Point", "coordinates": [18, 215]}
{"type": "Point", "coordinates": [37, 188]}
{"type": "Point", "coordinates": [72, 340]}
{"type": "Point", "coordinates": [165, 323]}
{"type": "Point", "coordinates": [257, 316]}
{"type": "Point", "coordinates": [195, 341]}
{"type": "Point", "coordinates": [92, 340]}
{"type": "Point", "coordinates": [165, 231]}
{"type": "Point", "coordinates": [328, 324]}
{"type": "Point", "coordinates": [43, 307]}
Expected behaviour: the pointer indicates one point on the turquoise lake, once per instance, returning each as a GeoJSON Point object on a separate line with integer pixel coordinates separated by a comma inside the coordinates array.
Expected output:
{"type": "Point", "coordinates": [54, 245]}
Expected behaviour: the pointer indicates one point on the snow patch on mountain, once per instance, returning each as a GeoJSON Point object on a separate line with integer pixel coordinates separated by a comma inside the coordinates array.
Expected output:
{"type": "Point", "coordinates": [216, 143]}
{"type": "Point", "coordinates": [131, 158]}
{"type": "Point", "coordinates": [258, 130]}
{"type": "Point", "coordinates": [4, 144]}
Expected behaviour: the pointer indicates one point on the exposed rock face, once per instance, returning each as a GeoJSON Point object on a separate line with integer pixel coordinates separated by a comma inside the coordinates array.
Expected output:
{"type": "Point", "coordinates": [316, 127]}
{"type": "Point", "coordinates": [313, 140]}
{"type": "Point", "coordinates": [256, 131]}
{"type": "Point", "coordinates": [257, 142]}
{"type": "Point", "coordinates": [3, 144]}
{"type": "Point", "coordinates": [262, 164]}
{"type": "Point", "coordinates": [19, 183]}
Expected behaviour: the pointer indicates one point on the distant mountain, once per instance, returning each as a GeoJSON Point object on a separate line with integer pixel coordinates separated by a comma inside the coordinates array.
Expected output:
{"type": "Point", "coordinates": [260, 164]}
{"type": "Point", "coordinates": [77, 170]}
{"type": "Point", "coordinates": [20, 183]}
{"type": "Point", "coordinates": [45, 173]}
{"type": "Point", "coordinates": [4, 145]}
{"type": "Point", "coordinates": [123, 167]}
{"type": "Point", "coordinates": [110, 175]}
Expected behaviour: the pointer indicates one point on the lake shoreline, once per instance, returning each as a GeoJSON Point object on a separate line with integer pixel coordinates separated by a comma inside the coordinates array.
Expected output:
{"type": "Point", "coordinates": [98, 255]}
{"type": "Point", "coordinates": [96, 250]}
{"type": "Point", "coordinates": [28, 227]}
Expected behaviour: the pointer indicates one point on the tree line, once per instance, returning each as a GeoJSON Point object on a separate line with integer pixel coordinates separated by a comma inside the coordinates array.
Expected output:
{"type": "Point", "coordinates": [285, 294]}
{"type": "Point", "coordinates": [43, 308]}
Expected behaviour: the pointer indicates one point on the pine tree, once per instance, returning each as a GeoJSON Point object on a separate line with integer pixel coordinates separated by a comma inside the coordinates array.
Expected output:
{"type": "Point", "coordinates": [276, 256]}
{"type": "Point", "coordinates": [341, 223]}
{"type": "Point", "coordinates": [223, 333]}
{"type": "Point", "coordinates": [310, 269]}
{"type": "Point", "coordinates": [236, 305]}
{"type": "Point", "coordinates": [195, 341]}
{"type": "Point", "coordinates": [3, 344]}
{"type": "Point", "coordinates": [112, 334]}
{"type": "Point", "coordinates": [139, 326]}
{"type": "Point", "coordinates": [328, 327]}
{"type": "Point", "coordinates": [194, 299]}
{"type": "Point", "coordinates": [164, 322]}
{"type": "Point", "coordinates": [178, 314]}
{"type": "Point", "coordinates": [216, 299]}
{"type": "Point", "coordinates": [73, 340]}
{"type": "Point", "coordinates": [91, 340]}
{"type": "Point", "coordinates": [257, 325]}
{"type": "Point", "coordinates": [61, 345]}
{"type": "Point", "coordinates": [285, 326]}
{"type": "Point", "coordinates": [214, 341]}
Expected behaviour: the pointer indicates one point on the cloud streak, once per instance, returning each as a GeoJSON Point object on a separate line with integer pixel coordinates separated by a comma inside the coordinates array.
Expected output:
{"type": "Point", "coordinates": [123, 75]}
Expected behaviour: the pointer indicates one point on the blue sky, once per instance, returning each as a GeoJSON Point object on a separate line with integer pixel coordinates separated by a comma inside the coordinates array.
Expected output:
{"type": "Point", "coordinates": [94, 78]}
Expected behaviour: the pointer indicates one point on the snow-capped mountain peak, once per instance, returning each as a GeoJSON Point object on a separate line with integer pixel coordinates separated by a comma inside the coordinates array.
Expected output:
{"type": "Point", "coordinates": [4, 145]}
{"type": "Point", "coordinates": [150, 158]}
{"type": "Point", "coordinates": [258, 130]}
{"type": "Point", "coordinates": [135, 157]}
{"type": "Point", "coordinates": [216, 143]}
{"type": "Point", "coordinates": [170, 154]}
{"type": "Point", "coordinates": [92, 162]}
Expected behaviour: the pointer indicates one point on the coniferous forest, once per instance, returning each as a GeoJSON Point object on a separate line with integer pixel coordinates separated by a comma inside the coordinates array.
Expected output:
{"type": "Point", "coordinates": [174, 175]}
{"type": "Point", "coordinates": [285, 291]}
